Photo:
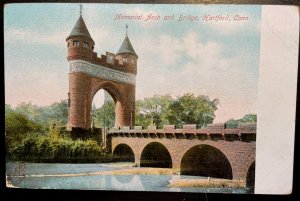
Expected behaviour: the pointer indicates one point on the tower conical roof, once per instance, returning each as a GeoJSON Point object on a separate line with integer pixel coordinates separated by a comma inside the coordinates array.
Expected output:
{"type": "Point", "coordinates": [126, 47]}
{"type": "Point", "coordinates": [80, 29]}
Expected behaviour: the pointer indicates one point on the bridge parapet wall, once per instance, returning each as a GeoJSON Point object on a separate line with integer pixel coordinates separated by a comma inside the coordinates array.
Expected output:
{"type": "Point", "coordinates": [245, 132]}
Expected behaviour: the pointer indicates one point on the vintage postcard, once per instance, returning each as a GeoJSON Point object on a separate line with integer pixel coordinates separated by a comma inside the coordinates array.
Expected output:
{"type": "Point", "coordinates": [150, 97]}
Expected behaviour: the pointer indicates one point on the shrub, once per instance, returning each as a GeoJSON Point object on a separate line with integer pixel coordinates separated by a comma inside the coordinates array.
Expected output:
{"type": "Point", "coordinates": [17, 124]}
{"type": "Point", "coordinates": [37, 148]}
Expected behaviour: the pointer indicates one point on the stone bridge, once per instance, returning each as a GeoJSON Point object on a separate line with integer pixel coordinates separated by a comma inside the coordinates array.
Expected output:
{"type": "Point", "coordinates": [215, 151]}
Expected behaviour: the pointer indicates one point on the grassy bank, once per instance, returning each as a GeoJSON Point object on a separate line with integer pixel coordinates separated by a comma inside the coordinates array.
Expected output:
{"type": "Point", "coordinates": [206, 183]}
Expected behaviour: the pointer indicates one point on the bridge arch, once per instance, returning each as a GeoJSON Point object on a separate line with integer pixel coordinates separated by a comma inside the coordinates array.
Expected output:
{"type": "Point", "coordinates": [206, 160]}
{"type": "Point", "coordinates": [123, 153]}
{"type": "Point", "coordinates": [155, 154]}
{"type": "Point", "coordinates": [250, 179]}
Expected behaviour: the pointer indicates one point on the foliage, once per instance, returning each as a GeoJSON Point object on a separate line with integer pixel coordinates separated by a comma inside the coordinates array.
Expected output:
{"type": "Point", "coordinates": [37, 148]}
{"type": "Point", "coordinates": [140, 118]}
{"type": "Point", "coordinates": [33, 133]}
{"type": "Point", "coordinates": [248, 118]}
{"type": "Point", "coordinates": [56, 113]}
{"type": "Point", "coordinates": [17, 124]}
{"type": "Point", "coordinates": [104, 116]}
{"type": "Point", "coordinates": [54, 132]}
{"type": "Point", "coordinates": [46, 116]}
{"type": "Point", "coordinates": [152, 111]}
{"type": "Point", "coordinates": [190, 109]}
{"type": "Point", "coordinates": [32, 112]}
{"type": "Point", "coordinates": [186, 109]}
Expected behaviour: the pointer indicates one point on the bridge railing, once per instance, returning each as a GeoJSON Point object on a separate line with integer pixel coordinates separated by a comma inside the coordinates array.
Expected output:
{"type": "Point", "coordinates": [189, 131]}
{"type": "Point", "coordinates": [244, 127]}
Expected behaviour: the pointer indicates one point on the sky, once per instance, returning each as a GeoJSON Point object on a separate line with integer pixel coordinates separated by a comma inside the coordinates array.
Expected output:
{"type": "Point", "coordinates": [219, 59]}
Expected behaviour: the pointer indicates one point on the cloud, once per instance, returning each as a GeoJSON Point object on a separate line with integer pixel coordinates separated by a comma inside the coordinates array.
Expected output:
{"type": "Point", "coordinates": [179, 65]}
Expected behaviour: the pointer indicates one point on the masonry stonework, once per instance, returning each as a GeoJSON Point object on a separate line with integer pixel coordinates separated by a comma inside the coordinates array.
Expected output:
{"type": "Point", "coordinates": [238, 145]}
{"type": "Point", "coordinates": [89, 73]}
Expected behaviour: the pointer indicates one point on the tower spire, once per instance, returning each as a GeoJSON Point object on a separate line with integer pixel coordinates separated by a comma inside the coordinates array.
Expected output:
{"type": "Point", "coordinates": [80, 6]}
{"type": "Point", "coordinates": [80, 28]}
{"type": "Point", "coordinates": [126, 46]}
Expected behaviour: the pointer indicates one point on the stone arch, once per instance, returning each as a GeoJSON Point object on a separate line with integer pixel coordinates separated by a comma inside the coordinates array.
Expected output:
{"type": "Point", "coordinates": [250, 179]}
{"type": "Point", "coordinates": [155, 154]}
{"type": "Point", "coordinates": [117, 96]}
{"type": "Point", "coordinates": [249, 160]}
{"type": "Point", "coordinates": [123, 153]}
{"type": "Point", "coordinates": [110, 88]}
{"type": "Point", "coordinates": [206, 160]}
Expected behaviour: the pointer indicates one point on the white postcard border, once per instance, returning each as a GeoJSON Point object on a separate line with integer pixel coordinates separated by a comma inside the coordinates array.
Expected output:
{"type": "Point", "coordinates": [277, 99]}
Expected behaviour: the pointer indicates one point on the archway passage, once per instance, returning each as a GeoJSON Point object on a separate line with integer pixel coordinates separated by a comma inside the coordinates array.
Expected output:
{"type": "Point", "coordinates": [123, 153]}
{"type": "Point", "coordinates": [103, 110]}
{"type": "Point", "coordinates": [206, 160]}
{"type": "Point", "coordinates": [250, 180]}
{"type": "Point", "coordinates": [156, 155]}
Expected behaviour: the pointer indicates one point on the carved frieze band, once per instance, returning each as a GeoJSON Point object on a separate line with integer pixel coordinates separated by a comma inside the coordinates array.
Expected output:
{"type": "Point", "coordinates": [101, 72]}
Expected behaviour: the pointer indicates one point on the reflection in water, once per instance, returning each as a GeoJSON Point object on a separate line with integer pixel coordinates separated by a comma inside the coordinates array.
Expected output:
{"type": "Point", "coordinates": [120, 182]}
{"type": "Point", "coordinates": [124, 179]}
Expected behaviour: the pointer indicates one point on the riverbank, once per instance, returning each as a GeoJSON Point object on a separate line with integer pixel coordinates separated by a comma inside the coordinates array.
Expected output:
{"type": "Point", "coordinates": [206, 183]}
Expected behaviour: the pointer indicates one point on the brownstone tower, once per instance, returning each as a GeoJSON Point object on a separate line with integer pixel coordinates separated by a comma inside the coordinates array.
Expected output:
{"type": "Point", "coordinates": [89, 73]}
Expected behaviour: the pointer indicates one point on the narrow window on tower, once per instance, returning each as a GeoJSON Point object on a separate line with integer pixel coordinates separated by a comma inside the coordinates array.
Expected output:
{"type": "Point", "coordinates": [68, 44]}
{"type": "Point", "coordinates": [75, 43]}
{"type": "Point", "coordinates": [85, 44]}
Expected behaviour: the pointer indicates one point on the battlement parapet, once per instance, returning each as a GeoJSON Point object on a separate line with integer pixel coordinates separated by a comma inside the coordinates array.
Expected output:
{"type": "Point", "coordinates": [217, 126]}
{"type": "Point", "coordinates": [108, 61]}
{"type": "Point", "coordinates": [188, 131]}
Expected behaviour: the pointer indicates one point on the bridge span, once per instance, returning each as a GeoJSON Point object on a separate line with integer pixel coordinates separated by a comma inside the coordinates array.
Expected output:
{"type": "Point", "coordinates": [215, 151]}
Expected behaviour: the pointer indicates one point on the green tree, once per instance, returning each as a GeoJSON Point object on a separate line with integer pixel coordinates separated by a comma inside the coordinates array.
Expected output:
{"type": "Point", "coordinates": [153, 110]}
{"type": "Point", "coordinates": [105, 116]}
{"type": "Point", "coordinates": [190, 109]}
{"type": "Point", "coordinates": [32, 112]}
{"type": "Point", "coordinates": [17, 126]}
{"type": "Point", "coordinates": [140, 118]}
{"type": "Point", "coordinates": [248, 118]}
{"type": "Point", "coordinates": [57, 113]}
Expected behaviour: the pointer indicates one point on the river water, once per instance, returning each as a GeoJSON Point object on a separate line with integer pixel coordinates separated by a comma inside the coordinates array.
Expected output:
{"type": "Point", "coordinates": [58, 176]}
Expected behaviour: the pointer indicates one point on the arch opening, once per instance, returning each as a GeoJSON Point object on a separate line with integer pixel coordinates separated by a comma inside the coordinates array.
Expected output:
{"type": "Point", "coordinates": [123, 153]}
{"type": "Point", "coordinates": [103, 110]}
{"type": "Point", "coordinates": [157, 155]}
{"type": "Point", "coordinates": [206, 160]}
{"type": "Point", "coordinates": [250, 180]}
